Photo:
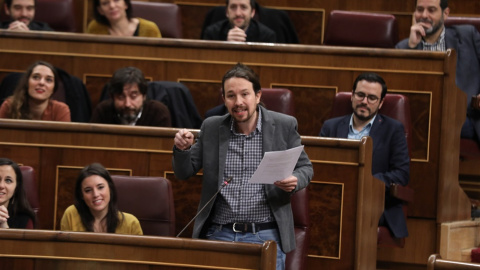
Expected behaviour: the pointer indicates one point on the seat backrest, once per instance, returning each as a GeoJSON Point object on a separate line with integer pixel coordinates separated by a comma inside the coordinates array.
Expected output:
{"type": "Point", "coordinates": [150, 200]}
{"type": "Point", "coordinates": [362, 29]}
{"type": "Point", "coordinates": [395, 106]}
{"type": "Point", "coordinates": [167, 16]}
{"type": "Point", "coordinates": [279, 100]}
{"type": "Point", "coordinates": [31, 187]}
{"type": "Point", "coordinates": [475, 21]}
{"type": "Point", "coordinates": [59, 14]}
{"type": "Point", "coordinates": [296, 259]}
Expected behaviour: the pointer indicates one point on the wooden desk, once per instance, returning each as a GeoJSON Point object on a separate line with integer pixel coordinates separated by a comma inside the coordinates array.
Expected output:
{"type": "Point", "coordinates": [345, 200]}
{"type": "Point", "coordinates": [314, 73]}
{"type": "Point", "coordinates": [38, 249]}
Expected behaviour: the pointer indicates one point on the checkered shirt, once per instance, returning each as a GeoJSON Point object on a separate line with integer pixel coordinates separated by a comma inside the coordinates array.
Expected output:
{"type": "Point", "coordinates": [241, 201]}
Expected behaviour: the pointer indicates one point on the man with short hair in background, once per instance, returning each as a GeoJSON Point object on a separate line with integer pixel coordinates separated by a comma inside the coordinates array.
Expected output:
{"type": "Point", "coordinates": [240, 25]}
{"type": "Point", "coordinates": [428, 33]}
{"type": "Point", "coordinates": [390, 159]}
{"type": "Point", "coordinates": [22, 13]}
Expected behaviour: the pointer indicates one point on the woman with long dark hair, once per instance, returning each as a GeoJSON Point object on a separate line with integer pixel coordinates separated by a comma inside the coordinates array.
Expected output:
{"type": "Point", "coordinates": [15, 211]}
{"type": "Point", "coordinates": [95, 208]}
{"type": "Point", "coordinates": [32, 97]}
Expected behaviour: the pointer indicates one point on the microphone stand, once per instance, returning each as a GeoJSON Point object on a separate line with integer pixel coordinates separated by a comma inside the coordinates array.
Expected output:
{"type": "Point", "coordinates": [225, 183]}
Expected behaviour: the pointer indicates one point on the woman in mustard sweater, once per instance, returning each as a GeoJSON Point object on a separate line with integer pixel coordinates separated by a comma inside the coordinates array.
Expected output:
{"type": "Point", "coordinates": [95, 208]}
{"type": "Point", "coordinates": [114, 17]}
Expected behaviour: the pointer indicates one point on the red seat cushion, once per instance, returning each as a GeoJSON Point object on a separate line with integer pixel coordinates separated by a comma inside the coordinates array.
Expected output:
{"type": "Point", "coordinates": [476, 255]}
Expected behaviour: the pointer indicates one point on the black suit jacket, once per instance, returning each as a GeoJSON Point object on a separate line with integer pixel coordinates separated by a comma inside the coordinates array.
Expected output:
{"type": "Point", "coordinates": [275, 19]}
{"type": "Point", "coordinates": [256, 32]}
{"type": "Point", "coordinates": [390, 161]}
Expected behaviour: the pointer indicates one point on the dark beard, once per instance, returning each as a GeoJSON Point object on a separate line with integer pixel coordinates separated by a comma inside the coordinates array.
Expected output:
{"type": "Point", "coordinates": [435, 28]}
{"type": "Point", "coordinates": [364, 118]}
{"type": "Point", "coordinates": [127, 118]}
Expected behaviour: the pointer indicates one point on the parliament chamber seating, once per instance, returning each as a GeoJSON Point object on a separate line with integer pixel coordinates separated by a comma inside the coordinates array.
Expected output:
{"type": "Point", "coordinates": [362, 29]}
{"type": "Point", "coordinates": [297, 259]}
{"type": "Point", "coordinates": [454, 20]}
{"type": "Point", "coordinates": [31, 187]}
{"type": "Point", "coordinates": [150, 200]}
{"type": "Point", "coordinates": [279, 100]}
{"type": "Point", "coordinates": [397, 107]}
{"type": "Point", "coordinates": [167, 16]}
{"type": "Point", "coordinates": [59, 14]}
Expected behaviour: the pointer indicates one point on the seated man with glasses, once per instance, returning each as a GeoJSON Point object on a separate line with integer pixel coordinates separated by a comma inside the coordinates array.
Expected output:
{"type": "Point", "coordinates": [390, 161]}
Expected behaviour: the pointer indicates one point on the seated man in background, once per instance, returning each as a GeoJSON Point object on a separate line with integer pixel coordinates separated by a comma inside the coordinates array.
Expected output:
{"type": "Point", "coordinates": [239, 25]}
{"type": "Point", "coordinates": [390, 160]}
{"type": "Point", "coordinates": [21, 14]}
{"type": "Point", "coordinates": [429, 33]}
{"type": "Point", "coordinates": [128, 104]}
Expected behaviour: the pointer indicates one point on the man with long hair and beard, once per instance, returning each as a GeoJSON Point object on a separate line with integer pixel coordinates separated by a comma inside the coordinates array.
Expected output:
{"type": "Point", "coordinates": [128, 103]}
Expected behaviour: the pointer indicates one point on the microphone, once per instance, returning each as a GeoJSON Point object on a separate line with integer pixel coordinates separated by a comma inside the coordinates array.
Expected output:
{"type": "Point", "coordinates": [225, 183]}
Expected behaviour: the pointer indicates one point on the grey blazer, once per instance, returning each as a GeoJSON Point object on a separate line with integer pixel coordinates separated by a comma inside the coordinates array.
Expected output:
{"type": "Point", "coordinates": [465, 39]}
{"type": "Point", "coordinates": [279, 132]}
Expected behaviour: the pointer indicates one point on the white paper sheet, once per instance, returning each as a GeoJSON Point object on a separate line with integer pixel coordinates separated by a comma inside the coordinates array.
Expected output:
{"type": "Point", "coordinates": [276, 166]}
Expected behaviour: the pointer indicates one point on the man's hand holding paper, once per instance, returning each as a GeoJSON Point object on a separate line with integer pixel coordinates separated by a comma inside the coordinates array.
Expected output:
{"type": "Point", "coordinates": [277, 167]}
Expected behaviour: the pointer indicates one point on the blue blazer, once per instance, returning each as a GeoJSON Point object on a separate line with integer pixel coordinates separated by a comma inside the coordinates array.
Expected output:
{"type": "Point", "coordinates": [209, 152]}
{"type": "Point", "coordinates": [465, 39]}
{"type": "Point", "coordinates": [390, 161]}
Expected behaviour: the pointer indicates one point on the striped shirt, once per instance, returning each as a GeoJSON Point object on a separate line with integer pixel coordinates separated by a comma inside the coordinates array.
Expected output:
{"type": "Point", "coordinates": [438, 46]}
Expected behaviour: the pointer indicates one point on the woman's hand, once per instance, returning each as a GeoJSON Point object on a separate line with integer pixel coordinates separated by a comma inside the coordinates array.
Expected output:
{"type": "Point", "coordinates": [3, 217]}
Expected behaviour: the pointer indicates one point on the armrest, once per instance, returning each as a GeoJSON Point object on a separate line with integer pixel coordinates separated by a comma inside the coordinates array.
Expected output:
{"type": "Point", "coordinates": [403, 193]}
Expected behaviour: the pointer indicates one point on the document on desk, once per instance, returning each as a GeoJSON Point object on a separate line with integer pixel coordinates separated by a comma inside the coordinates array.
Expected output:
{"type": "Point", "coordinates": [276, 166]}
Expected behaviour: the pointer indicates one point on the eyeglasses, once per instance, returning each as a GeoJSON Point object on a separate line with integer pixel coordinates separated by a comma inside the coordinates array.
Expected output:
{"type": "Point", "coordinates": [372, 99]}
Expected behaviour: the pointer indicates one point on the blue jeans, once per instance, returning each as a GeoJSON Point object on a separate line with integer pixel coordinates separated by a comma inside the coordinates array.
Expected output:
{"type": "Point", "coordinates": [217, 232]}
